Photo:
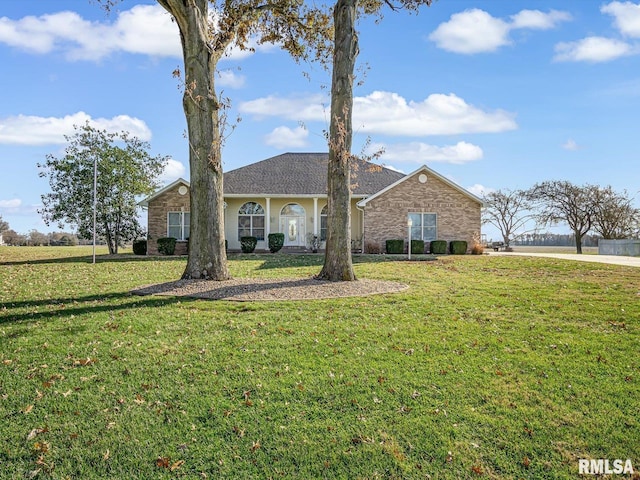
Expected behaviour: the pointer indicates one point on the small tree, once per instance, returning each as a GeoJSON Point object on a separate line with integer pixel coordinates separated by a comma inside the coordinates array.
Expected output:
{"type": "Point", "coordinates": [562, 201]}
{"type": "Point", "coordinates": [508, 211]}
{"type": "Point", "coordinates": [615, 217]}
{"type": "Point", "coordinates": [10, 237]}
{"type": "Point", "coordinates": [37, 238]}
{"type": "Point", "coordinates": [4, 226]}
{"type": "Point", "coordinates": [125, 169]}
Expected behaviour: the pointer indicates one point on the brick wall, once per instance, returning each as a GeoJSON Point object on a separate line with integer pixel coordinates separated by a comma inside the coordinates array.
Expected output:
{"type": "Point", "coordinates": [169, 201]}
{"type": "Point", "coordinates": [458, 216]}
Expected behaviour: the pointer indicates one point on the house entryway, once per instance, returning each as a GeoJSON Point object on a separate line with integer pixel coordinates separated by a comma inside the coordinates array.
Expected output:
{"type": "Point", "coordinates": [292, 224]}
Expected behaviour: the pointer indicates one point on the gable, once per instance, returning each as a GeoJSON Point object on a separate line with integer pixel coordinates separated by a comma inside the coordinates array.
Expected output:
{"type": "Point", "coordinates": [428, 174]}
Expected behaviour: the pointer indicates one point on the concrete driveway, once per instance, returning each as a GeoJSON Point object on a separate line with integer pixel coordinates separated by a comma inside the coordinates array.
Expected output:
{"type": "Point", "coordinates": [610, 259]}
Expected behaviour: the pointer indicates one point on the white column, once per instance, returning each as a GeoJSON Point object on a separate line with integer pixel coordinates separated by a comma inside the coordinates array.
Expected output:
{"type": "Point", "coordinates": [267, 220]}
{"type": "Point", "coordinates": [315, 216]}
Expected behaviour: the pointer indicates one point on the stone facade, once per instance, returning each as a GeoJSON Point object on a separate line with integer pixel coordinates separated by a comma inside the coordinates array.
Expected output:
{"type": "Point", "coordinates": [159, 207]}
{"type": "Point", "coordinates": [457, 214]}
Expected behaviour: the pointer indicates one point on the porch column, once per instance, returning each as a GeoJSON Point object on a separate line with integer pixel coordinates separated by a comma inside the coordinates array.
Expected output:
{"type": "Point", "coordinates": [315, 216]}
{"type": "Point", "coordinates": [267, 220]}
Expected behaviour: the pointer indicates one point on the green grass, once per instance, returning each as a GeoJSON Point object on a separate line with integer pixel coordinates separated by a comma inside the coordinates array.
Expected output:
{"type": "Point", "coordinates": [487, 367]}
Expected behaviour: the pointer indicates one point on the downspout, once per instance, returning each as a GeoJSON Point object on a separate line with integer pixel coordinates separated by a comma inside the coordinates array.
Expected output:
{"type": "Point", "coordinates": [362, 226]}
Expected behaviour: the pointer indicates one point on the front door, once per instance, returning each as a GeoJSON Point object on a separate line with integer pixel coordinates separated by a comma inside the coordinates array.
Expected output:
{"type": "Point", "coordinates": [292, 224]}
{"type": "Point", "coordinates": [293, 229]}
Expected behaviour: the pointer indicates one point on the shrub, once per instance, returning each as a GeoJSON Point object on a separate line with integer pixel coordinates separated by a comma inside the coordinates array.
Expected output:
{"type": "Point", "coordinates": [248, 244]}
{"type": "Point", "coordinates": [276, 241]}
{"type": "Point", "coordinates": [477, 249]}
{"type": "Point", "coordinates": [395, 246]}
{"type": "Point", "coordinates": [372, 247]}
{"type": "Point", "coordinates": [140, 247]}
{"type": "Point", "coordinates": [417, 246]}
{"type": "Point", "coordinates": [458, 247]}
{"type": "Point", "coordinates": [167, 245]}
{"type": "Point", "coordinates": [438, 247]}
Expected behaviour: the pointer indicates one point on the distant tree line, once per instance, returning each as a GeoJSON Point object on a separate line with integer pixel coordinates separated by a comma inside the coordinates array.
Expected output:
{"type": "Point", "coordinates": [601, 211]}
{"type": "Point", "coordinates": [549, 239]}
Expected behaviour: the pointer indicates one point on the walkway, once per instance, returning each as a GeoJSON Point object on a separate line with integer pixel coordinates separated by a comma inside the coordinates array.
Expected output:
{"type": "Point", "coordinates": [610, 259]}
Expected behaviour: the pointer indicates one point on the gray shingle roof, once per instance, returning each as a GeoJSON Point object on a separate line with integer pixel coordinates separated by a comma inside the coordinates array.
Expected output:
{"type": "Point", "coordinates": [302, 174]}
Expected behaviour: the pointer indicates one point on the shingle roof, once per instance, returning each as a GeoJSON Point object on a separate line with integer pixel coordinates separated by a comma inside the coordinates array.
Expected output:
{"type": "Point", "coordinates": [302, 174]}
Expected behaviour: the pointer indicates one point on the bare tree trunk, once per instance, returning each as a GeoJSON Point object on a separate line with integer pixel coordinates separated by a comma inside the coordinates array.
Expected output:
{"type": "Point", "coordinates": [207, 256]}
{"type": "Point", "coordinates": [338, 265]}
{"type": "Point", "coordinates": [578, 237]}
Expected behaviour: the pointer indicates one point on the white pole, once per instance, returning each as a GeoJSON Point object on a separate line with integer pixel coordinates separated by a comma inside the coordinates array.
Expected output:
{"type": "Point", "coordinates": [95, 202]}
{"type": "Point", "coordinates": [409, 224]}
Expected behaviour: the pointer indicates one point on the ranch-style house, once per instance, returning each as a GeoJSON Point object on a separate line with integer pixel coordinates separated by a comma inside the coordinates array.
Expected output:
{"type": "Point", "coordinates": [288, 194]}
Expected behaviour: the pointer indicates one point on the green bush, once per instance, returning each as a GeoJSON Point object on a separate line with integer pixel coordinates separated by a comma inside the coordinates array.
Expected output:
{"type": "Point", "coordinates": [458, 247]}
{"type": "Point", "coordinates": [395, 246]}
{"type": "Point", "coordinates": [438, 247]}
{"type": "Point", "coordinates": [417, 247]}
{"type": "Point", "coordinates": [276, 241]}
{"type": "Point", "coordinates": [167, 245]}
{"type": "Point", "coordinates": [248, 244]}
{"type": "Point", "coordinates": [140, 247]}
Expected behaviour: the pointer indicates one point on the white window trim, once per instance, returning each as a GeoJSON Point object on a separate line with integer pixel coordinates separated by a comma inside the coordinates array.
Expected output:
{"type": "Point", "coordinates": [182, 225]}
{"type": "Point", "coordinates": [252, 215]}
{"type": "Point", "coordinates": [422, 214]}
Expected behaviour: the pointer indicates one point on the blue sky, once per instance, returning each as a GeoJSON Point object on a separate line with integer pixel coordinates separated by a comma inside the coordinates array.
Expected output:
{"type": "Point", "coordinates": [491, 94]}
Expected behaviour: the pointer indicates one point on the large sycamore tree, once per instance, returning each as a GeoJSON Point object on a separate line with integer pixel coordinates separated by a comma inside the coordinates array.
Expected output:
{"type": "Point", "coordinates": [206, 36]}
{"type": "Point", "coordinates": [338, 265]}
{"type": "Point", "coordinates": [208, 29]}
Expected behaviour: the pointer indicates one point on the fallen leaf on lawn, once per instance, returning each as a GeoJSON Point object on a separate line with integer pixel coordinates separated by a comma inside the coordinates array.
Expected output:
{"type": "Point", "coordinates": [526, 462]}
{"type": "Point", "coordinates": [477, 469]}
{"type": "Point", "coordinates": [42, 447]}
{"type": "Point", "coordinates": [106, 455]}
{"type": "Point", "coordinates": [162, 462]}
{"type": "Point", "coordinates": [255, 446]}
{"type": "Point", "coordinates": [139, 400]}
{"type": "Point", "coordinates": [27, 409]}
{"type": "Point", "coordinates": [176, 465]}
{"type": "Point", "coordinates": [34, 432]}
{"type": "Point", "coordinates": [33, 473]}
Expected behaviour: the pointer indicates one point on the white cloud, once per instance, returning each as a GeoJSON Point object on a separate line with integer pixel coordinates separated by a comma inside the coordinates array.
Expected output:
{"type": "Point", "coordinates": [476, 31]}
{"type": "Point", "coordinates": [439, 114]}
{"type": "Point", "coordinates": [626, 17]}
{"type": "Point", "coordinates": [284, 137]}
{"type": "Point", "coordinates": [298, 108]}
{"type": "Point", "coordinates": [571, 145]}
{"type": "Point", "coordinates": [32, 130]}
{"type": "Point", "coordinates": [228, 78]}
{"type": "Point", "coordinates": [537, 20]}
{"type": "Point", "coordinates": [480, 190]}
{"type": "Point", "coordinates": [592, 49]}
{"type": "Point", "coordinates": [391, 114]}
{"type": "Point", "coordinates": [472, 31]}
{"type": "Point", "coordinates": [417, 152]}
{"type": "Point", "coordinates": [12, 204]}
{"type": "Point", "coordinates": [172, 171]}
{"type": "Point", "coordinates": [144, 29]}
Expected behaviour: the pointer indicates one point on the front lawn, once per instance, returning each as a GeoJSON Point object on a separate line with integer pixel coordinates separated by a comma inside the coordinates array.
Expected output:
{"type": "Point", "coordinates": [487, 367]}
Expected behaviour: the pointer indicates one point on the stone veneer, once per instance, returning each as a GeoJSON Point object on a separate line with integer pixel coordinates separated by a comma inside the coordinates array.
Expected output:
{"type": "Point", "coordinates": [458, 215]}
{"type": "Point", "coordinates": [169, 201]}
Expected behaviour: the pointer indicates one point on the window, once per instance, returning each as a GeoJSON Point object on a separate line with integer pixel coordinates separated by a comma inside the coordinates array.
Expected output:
{"type": "Point", "coordinates": [292, 210]}
{"type": "Point", "coordinates": [424, 226]}
{"type": "Point", "coordinates": [178, 225]}
{"type": "Point", "coordinates": [251, 221]}
{"type": "Point", "coordinates": [323, 224]}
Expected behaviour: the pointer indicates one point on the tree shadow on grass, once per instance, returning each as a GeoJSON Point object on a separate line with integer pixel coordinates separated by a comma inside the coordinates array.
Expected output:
{"type": "Point", "coordinates": [119, 258]}
{"type": "Point", "coordinates": [10, 312]}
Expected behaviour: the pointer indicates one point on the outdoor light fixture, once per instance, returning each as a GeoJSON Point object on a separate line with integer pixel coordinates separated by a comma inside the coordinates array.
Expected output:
{"type": "Point", "coordinates": [409, 225]}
